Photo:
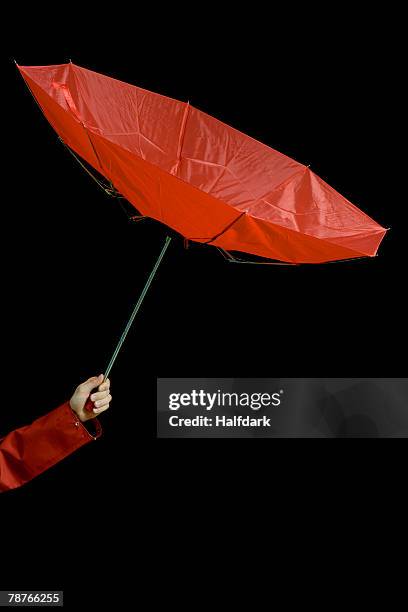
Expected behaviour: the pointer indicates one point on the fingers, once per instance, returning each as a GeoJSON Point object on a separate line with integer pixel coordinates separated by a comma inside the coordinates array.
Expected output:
{"type": "Point", "coordinates": [99, 395]}
{"type": "Point", "coordinates": [105, 385]}
{"type": "Point", "coordinates": [103, 402]}
{"type": "Point", "coordinates": [98, 411]}
{"type": "Point", "coordinates": [90, 384]}
{"type": "Point", "coordinates": [101, 392]}
{"type": "Point", "coordinates": [102, 405]}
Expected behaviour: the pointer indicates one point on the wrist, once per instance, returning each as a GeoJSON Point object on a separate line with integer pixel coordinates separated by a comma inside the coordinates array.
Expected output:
{"type": "Point", "coordinates": [75, 411]}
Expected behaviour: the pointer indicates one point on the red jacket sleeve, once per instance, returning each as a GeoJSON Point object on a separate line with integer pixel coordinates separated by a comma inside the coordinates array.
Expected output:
{"type": "Point", "coordinates": [30, 450]}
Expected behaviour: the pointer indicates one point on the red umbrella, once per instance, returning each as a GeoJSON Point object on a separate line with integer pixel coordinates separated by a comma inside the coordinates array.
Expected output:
{"type": "Point", "coordinates": [206, 180]}
{"type": "Point", "coordinates": [201, 177]}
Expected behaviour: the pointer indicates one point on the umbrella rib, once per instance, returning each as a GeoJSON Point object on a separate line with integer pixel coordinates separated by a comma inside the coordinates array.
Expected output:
{"type": "Point", "coordinates": [181, 137]}
{"type": "Point", "coordinates": [205, 241]}
{"type": "Point", "coordinates": [226, 228]}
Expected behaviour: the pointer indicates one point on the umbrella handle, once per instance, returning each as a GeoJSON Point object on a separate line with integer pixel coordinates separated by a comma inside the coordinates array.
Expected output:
{"type": "Point", "coordinates": [89, 405]}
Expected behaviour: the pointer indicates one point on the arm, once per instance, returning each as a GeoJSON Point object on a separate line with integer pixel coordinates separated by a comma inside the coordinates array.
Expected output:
{"type": "Point", "coordinates": [30, 450]}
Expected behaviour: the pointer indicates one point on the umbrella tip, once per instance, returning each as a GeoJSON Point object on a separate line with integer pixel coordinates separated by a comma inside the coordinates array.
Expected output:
{"type": "Point", "coordinates": [14, 61]}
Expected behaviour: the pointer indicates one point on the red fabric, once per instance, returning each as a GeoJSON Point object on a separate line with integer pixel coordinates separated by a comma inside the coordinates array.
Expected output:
{"type": "Point", "coordinates": [201, 177]}
{"type": "Point", "coordinates": [30, 450]}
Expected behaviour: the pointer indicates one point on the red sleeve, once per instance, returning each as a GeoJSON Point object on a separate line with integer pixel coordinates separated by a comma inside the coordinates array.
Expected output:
{"type": "Point", "coordinates": [30, 450]}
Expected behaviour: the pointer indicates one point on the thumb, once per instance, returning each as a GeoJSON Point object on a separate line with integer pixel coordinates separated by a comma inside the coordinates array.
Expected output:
{"type": "Point", "coordinates": [90, 384]}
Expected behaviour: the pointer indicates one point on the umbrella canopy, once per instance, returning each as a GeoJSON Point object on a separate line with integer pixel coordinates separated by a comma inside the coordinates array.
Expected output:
{"type": "Point", "coordinates": [201, 177]}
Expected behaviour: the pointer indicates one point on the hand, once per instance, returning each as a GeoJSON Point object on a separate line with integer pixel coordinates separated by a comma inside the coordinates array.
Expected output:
{"type": "Point", "coordinates": [101, 397]}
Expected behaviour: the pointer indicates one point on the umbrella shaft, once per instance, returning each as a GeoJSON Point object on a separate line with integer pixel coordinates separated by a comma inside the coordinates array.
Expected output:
{"type": "Point", "coordinates": [136, 308]}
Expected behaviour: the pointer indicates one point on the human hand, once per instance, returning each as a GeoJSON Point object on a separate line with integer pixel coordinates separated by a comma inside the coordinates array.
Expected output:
{"type": "Point", "coordinates": [100, 396]}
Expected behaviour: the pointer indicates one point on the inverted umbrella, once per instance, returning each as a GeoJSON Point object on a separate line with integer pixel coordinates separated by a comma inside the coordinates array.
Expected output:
{"type": "Point", "coordinates": [201, 177]}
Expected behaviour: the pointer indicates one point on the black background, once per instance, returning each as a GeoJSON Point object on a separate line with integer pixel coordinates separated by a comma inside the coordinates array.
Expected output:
{"type": "Point", "coordinates": [323, 89]}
